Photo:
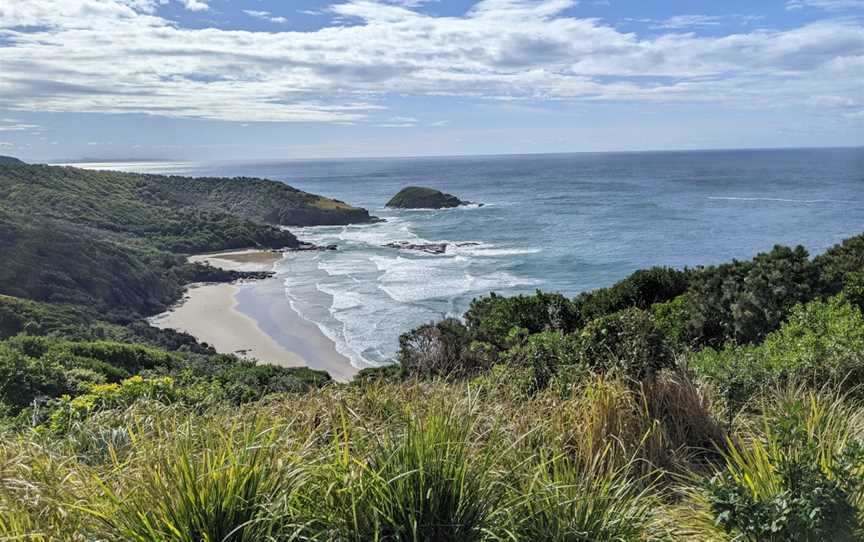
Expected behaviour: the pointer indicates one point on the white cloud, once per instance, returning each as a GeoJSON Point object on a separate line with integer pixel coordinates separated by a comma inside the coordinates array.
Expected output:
{"type": "Point", "coordinates": [195, 5]}
{"type": "Point", "coordinates": [265, 16]}
{"type": "Point", "coordinates": [829, 5]}
{"type": "Point", "coordinates": [695, 21]}
{"type": "Point", "coordinates": [501, 49]}
{"type": "Point", "coordinates": [13, 125]}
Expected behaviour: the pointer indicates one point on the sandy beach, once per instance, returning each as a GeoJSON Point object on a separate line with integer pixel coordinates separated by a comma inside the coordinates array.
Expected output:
{"type": "Point", "coordinates": [253, 319]}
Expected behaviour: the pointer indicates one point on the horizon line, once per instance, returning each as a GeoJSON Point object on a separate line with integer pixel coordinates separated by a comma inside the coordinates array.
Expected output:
{"type": "Point", "coordinates": [95, 160]}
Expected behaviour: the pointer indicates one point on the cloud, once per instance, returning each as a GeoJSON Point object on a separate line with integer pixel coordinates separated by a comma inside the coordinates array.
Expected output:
{"type": "Point", "coordinates": [61, 55]}
{"type": "Point", "coordinates": [695, 21]}
{"type": "Point", "coordinates": [829, 5]}
{"type": "Point", "coordinates": [13, 125]}
{"type": "Point", "coordinates": [265, 16]}
{"type": "Point", "coordinates": [195, 5]}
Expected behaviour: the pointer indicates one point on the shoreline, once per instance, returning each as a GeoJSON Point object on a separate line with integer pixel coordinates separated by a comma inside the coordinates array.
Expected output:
{"type": "Point", "coordinates": [253, 319]}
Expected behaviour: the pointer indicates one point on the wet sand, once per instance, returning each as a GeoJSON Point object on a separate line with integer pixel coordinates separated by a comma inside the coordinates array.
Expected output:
{"type": "Point", "coordinates": [253, 319]}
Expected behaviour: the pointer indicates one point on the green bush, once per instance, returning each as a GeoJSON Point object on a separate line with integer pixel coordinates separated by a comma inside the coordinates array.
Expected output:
{"type": "Point", "coordinates": [801, 482]}
{"type": "Point", "coordinates": [642, 289]}
{"type": "Point", "coordinates": [626, 343]}
{"type": "Point", "coordinates": [439, 349]}
{"type": "Point", "coordinates": [839, 261]}
{"type": "Point", "coordinates": [491, 319]}
{"type": "Point", "coordinates": [544, 355]}
{"type": "Point", "coordinates": [744, 301]}
{"type": "Point", "coordinates": [671, 318]}
{"type": "Point", "coordinates": [823, 341]}
{"type": "Point", "coordinates": [853, 288]}
{"type": "Point", "coordinates": [67, 410]}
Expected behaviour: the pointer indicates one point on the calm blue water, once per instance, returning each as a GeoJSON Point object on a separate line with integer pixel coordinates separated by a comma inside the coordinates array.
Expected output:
{"type": "Point", "coordinates": [563, 223]}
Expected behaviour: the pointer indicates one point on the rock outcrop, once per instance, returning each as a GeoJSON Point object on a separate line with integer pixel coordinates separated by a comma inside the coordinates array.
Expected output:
{"type": "Point", "coordinates": [418, 197]}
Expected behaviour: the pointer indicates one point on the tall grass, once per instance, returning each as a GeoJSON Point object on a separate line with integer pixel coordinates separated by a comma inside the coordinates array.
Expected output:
{"type": "Point", "coordinates": [436, 461]}
{"type": "Point", "coordinates": [796, 474]}
{"type": "Point", "coordinates": [236, 485]}
{"type": "Point", "coordinates": [431, 480]}
{"type": "Point", "coordinates": [563, 501]}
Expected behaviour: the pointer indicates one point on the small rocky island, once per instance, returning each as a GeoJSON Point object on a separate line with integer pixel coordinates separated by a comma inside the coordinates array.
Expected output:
{"type": "Point", "coordinates": [418, 197]}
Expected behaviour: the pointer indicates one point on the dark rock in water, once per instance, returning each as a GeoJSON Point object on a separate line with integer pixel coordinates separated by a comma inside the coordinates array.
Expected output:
{"type": "Point", "coordinates": [431, 248]}
{"type": "Point", "coordinates": [303, 246]}
{"type": "Point", "coordinates": [418, 197]}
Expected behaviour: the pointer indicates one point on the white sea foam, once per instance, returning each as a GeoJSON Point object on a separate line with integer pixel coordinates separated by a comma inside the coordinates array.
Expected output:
{"type": "Point", "coordinates": [783, 200]}
{"type": "Point", "coordinates": [363, 295]}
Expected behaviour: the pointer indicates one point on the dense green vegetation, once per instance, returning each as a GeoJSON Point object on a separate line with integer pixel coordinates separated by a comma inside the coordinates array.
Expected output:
{"type": "Point", "coordinates": [718, 403]}
{"type": "Point", "coordinates": [117, 241]}
{"type": "Point", "coordinates": [87, 255]}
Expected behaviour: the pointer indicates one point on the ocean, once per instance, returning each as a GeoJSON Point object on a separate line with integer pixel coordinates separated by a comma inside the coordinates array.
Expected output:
{"type": "Point", "coordinates": [565, 223]}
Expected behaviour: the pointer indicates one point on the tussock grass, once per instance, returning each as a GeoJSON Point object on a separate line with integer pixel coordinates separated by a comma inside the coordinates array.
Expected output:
{"type": "Point", "coordinates": [428, 461]}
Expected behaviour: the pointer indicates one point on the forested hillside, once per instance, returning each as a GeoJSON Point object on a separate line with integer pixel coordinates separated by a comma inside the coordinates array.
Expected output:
{"type": "Point", "coordinates": [117, 242]}
{"type": "Point", "coordinates": [718, 403]}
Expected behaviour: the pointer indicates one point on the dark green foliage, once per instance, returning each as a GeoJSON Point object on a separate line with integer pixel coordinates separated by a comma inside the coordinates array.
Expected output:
{"type": "Point", "coordinates": [246, 381]}
{"type": "Point", "coordinates": [853, 288]}
{"type": "Point", "coordinates": [543, 354]}
{"type": "Point", "coordinates": [626, 343]}
{"type": "Point", "coordinates": [439, 349]}
{"type": "Point", "coordinates": [671, 318]}
{"type": "Point", "coordinates": [392, 372]}
{"type": "Point", "coordinates": [418, 197]}
{"type": "Point", "coordinates": [110, 240]}
{"type": "Point", "coordinates": [840, 260]}
{"type": "Point", "coordinates": [491, 319]}
{"type": "Point", "coordinates": [32, 367]}
{"type": "Point", "coordinates": [641, 290]}
{"type": "Point", "coordinates": [823, 341]}
{"type": "Point", "coordinates": [744, 301]}
{"type": "Point", "coordinates": [799, 486]}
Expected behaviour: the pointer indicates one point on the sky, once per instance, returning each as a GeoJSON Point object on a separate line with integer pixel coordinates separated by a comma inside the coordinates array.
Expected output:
{"type": "Point", "coordinates": [296, 79]}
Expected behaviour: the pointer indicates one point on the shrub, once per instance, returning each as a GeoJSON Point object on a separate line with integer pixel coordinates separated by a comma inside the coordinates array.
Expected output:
{"type": "Point", "coordinates": [491, 319]}
{"type": "Point", "coordinates": [823, 341]}
{"type": "Point", "coordinates": [67, 410]}
{"type": "Point", "coordinates": [744, 301]}
{"type": "Point", "coordinates": [853, 288]}
{"type": "Point", "coordinates": [671, 318]}
{"type": "Point", "coordinates": [800, 481]}
{"type": "Point", "coordinates": [440, 349]}
{"type": "Point", "coordinates": [544, 354]}
{"type": "Point", "coordinates": [642, 289]}
{"type": "Point", "coordinates": [839, 261]}
{"type": "Point", "coordinates": [626, 343]}
{"type": "Point", "coordinates": [24, 378]}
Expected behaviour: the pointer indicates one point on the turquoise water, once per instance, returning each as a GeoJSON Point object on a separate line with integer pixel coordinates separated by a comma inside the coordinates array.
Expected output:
{"type": "Point", "coordinates": [563, 223]}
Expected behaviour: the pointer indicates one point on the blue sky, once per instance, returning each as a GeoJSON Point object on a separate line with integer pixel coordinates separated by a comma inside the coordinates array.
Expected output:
{"type": "Point", "coordinates": [240, 79]}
